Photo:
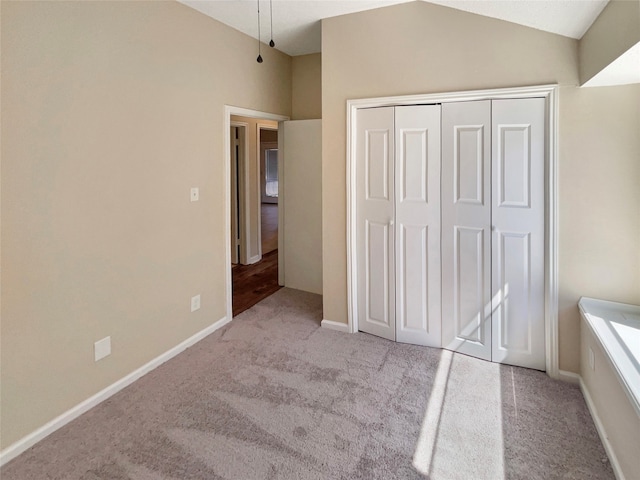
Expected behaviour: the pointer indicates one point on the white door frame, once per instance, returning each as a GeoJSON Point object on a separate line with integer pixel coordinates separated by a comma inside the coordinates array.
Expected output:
{"type": "Point", "coordinates": [244, 226]}
{"type": "Point", "coordinates": [226, 124]}
{"type": "Point", "coordinates": [550, 93]}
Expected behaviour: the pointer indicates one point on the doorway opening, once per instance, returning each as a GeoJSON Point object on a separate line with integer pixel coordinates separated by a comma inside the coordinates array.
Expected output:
{"type": "Point", "coordinates": [253, 188]}
{"type": "Point", "coordinates": [269, 196]}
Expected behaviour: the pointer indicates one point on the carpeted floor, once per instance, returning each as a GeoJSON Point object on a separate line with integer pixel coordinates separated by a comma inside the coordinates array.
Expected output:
{"type": "Point", "coordinates": [273, 396]}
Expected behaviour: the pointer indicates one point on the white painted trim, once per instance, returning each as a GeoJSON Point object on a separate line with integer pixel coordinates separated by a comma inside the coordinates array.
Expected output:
{"type": "Point", "coordinates": [447, 97]}
{"type": "Point", "coordinates": [227, 208]}
{"type": "Point", "coordinates": [550, 93]}
{"type": "Point", "coordinates": [568, 377]}
{"type": "Point", "coordinates": [331, 325]}
{"type": "Point", "coordinates": [247, 112]}
{"type": "Point", "coordinates": [281, 212]}
{"type": "Point", "coordinates": [352, 265]}
{"type": "Point", "coordinates": [226, 154]}
{"type": "Point", "coordinates": [551, 240]}
{"type": "Point", "coordinates": [243, 194]}
{"type": "Point", "coordinates": [254, 259]}
{"type": "Point", "coordinates": [60, 421]}
{"type": "Point", "coordinates": [604, 438]}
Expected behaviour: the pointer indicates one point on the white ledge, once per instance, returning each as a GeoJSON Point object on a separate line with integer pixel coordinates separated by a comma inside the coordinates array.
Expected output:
{"type": "Point", "coordinates": [617, 327]}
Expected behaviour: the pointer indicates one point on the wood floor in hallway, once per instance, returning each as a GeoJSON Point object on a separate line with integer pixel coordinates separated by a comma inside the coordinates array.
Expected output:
{"type": "Point", "coordinates": [252, 283]}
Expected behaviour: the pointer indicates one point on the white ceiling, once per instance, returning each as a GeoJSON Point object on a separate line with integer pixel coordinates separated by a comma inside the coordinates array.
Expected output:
{"type": "Point", "coordinates": [296, 23]}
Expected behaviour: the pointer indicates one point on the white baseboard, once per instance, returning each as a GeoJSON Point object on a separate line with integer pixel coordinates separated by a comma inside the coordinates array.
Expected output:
{"type": "Point", "coordinates": [254, 259]}
{"type": "Point", "coordinates": [34, 437]}
{"type": "Point", "coordinates": [601, 431]}
{"type": "Point", "coordinates": [569, 377]}
{"type": "Point", "coordinates": [330, 324]}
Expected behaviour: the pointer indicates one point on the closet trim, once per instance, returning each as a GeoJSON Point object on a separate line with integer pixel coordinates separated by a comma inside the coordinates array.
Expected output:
{"type": "Point", "coordinates": [550, 93]}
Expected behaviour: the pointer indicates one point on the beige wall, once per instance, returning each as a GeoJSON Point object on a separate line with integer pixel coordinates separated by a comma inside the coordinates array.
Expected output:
{"type": "Point", "coordinates": [599, 203]}
{"type": "Point", "coordinates": [111, 112]}
{"type": "Point", "coordinates": [253, 157]}
{"type": "Point", "coordinates": [306, 87]}
{"type": "Point", "coordinates": [615, 31]}
{"type": "Point", "coordinates": [424, 48]}
{"type": "Point", "coordinates": [303, 205]}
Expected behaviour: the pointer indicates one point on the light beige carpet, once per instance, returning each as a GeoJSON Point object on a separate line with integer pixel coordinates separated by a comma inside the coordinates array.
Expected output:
{"type": "Point", "coordinates": [274, 396]}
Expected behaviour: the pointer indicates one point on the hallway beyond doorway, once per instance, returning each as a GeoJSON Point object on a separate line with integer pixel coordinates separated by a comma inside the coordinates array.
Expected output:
{"type": "Point", "coordinates": [269, 222]}
{"type": "Point", "coordinates": [252, 283]}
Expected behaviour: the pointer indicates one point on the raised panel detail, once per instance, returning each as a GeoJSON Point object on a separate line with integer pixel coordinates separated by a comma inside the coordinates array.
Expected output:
{"type": "Point", "coordinates": [377, 164]}
{"type": "Point", "coordinates": [377, 277]}
{"type": "Point", "coordinates": [514, 166]}
{"type": "Point", "coordinates": [413, 165]}
{"type": "Point", "coordinates": [468, 166]}
{"type": "Point", "coordinates": [468, 264]}
{"type": "Point", "coordinates": [513, 312]}
{"type": "Point", "coordinates": [413, 277]}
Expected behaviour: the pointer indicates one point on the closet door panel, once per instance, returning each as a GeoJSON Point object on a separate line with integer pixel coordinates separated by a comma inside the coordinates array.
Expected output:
{"type": "Point", "coordinates": [469, 273]}
{"type": "Point", "coordinates": [513, 252]}
{"type": "Point", "coordinates": [375, 235]}
{"type": "Point", "coordinates": [412, 304]}
{"type": "Point", "coordinates": [417, 224]}
{"type": "Point", "coordinates": [466, 228]}
{"type": "Point", "coordinates": [518, 232]}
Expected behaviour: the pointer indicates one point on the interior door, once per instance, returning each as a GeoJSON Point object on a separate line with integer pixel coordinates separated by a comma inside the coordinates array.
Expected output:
{"type": "Point", "coordinates": [466, 228]}
{"type": "Point", "coordinates": [518, 232]}
{"type": "Point", "coordinates": [374, 221]}
{"type": "Point", "coordinates": [301, 187]}
{"type": "Point", "coordinates": [417, 224]}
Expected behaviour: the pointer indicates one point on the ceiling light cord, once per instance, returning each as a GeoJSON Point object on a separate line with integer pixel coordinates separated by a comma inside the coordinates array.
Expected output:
{"type": "Point", "coordinates": [259, 59]}
{"type": "Point", "coordinates": [271, 43]}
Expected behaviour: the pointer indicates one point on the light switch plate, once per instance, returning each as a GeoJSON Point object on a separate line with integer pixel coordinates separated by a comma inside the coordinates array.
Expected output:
{"type": "Point", "coordinates": [102, 348]}
{"type": "Point", "coordinates": [195, 194]}
{"type": "Point", "coordinates": [195, 303]}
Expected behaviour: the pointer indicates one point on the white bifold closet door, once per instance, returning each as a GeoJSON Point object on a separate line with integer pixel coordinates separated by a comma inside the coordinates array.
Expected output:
{"type": "Point", "coordinates": [375, 236]}
{"type": "Point", "coordinates": [493, 230]}
{"type": "Point", "coordinates": [398, 223]}
{"type": "Point", "coordinates": [517, 246]}
{"type": "Point", "coordinates": [466, 228]}
{"type": "Point", "coordinates": [450, 227]}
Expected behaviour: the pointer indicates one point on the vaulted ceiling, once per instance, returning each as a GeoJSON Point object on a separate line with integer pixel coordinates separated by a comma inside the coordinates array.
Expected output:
{"type": "Point", "coordinates": [296, 23]}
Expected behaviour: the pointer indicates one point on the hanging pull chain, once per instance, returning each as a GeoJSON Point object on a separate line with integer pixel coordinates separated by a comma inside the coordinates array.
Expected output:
{"type": "Point", "coordinates": [259, 59]}
{"type": "Point", "coordinates": [271, 43]}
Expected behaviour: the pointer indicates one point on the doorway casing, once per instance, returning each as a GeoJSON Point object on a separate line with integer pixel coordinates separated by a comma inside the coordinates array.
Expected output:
{"type": "Point", "coordinates": [245, 112]}
{"type": "Point", "coordinates": [550, 93]}
{"type": "Point", "coordinates": [240, 190]}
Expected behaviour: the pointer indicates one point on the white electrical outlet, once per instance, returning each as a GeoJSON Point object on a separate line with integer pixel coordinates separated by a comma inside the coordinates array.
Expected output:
{"type": "Point", "coordinates": [195, 194]}
{"type": "Point", "coordinates": [102, 348]}
{"type": "Point", "coordinates": [592, 359]}
{"type": "Point", "coordinates": [195, 303]}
